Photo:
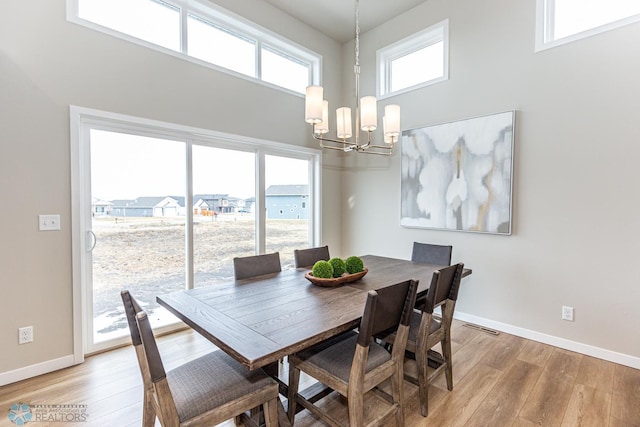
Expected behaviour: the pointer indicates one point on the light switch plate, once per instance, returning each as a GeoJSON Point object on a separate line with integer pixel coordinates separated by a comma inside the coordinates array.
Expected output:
{"type": "Point", "coordinates": [49, 222]}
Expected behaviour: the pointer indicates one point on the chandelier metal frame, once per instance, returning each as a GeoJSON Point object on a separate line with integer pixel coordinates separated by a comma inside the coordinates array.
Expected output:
{"type": "Point", "coordinates": [316, 113]}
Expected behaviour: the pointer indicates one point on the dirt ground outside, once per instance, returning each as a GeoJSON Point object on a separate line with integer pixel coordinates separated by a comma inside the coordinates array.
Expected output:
{"type": "Point", "coordinates": [147, 257]}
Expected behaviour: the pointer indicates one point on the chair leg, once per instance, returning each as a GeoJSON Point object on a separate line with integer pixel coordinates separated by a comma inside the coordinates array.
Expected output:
{"type": "Point", "coordinates": [356, 409]}
{"type": "Point", "coordinates": [271, 413]}
{"type": "Point", "coordinates": [294, 379]}
{"type": "Point", "coordinates": [446, 353]}
{"type": "Point", "coordinates": [255, 414]}
{"type": "Point", "coordinates": [148, 413]}
{"type": "Point", "coordinates": [423, 382]}
{"type": "Point", "coordinates": [397, 392]}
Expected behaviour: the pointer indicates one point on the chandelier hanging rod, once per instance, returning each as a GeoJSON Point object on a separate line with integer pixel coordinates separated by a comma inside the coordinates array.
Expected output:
{"type": "Point", "coordinates": [316, 113]}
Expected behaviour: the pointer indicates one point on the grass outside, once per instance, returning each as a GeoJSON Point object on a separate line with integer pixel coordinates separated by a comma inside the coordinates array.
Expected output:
{"type": "Point", "coordinates": [147, 257]}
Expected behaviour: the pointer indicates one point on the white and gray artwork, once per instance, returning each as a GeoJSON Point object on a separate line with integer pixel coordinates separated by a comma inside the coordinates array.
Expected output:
{"type": "Point", "coordinates": [458, 176]}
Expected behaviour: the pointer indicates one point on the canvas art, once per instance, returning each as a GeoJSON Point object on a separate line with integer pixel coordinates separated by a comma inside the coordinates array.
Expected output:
{"type": "Point", "coordinates": [458, 176]}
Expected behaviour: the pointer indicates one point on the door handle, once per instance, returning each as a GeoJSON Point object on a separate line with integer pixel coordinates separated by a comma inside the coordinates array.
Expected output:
{"type": "Point", "coordinates": [94, 240]}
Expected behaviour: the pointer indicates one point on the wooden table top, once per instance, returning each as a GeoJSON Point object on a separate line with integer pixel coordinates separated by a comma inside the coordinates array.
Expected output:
{"type": "Point", "coordinates": [260, 320]}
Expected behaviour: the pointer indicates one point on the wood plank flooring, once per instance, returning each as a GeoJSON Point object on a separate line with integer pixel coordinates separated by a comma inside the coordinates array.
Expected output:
{"type": "Point", "coordinates": [499, 381]}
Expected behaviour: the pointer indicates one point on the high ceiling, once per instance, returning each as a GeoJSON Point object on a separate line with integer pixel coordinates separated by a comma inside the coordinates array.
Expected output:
{"type": "Point", "coordinates": [336, 18]}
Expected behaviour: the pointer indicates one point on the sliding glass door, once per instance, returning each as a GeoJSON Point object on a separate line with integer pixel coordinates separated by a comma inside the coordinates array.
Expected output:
{"type": "Point", "coordinates": [138, 227]}
{"type": "Point", "coordinates": [156, 210]}
{"type": "Point", "coordinates": [224, 224]}
{"type": "Point", "coordinates": [288, 207]}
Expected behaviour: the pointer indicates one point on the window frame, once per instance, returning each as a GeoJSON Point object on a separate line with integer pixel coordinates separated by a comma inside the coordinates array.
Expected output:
{"type": "Point", "coordinates": [234, 24]}
{"type": "Point", "coordinates": [545, 21]}
{"type": "Point", "coordinates": [436, 33]}
{"type": "Point", "coordinates": [83, 119]}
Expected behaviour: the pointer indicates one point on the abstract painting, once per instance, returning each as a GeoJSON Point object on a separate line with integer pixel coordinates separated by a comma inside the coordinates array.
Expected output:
{"type": "Point", "coordinates": [458, 176]}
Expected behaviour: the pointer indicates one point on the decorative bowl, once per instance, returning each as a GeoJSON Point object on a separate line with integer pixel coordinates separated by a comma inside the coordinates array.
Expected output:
{"type": "Point", "coordinates": [336, 281]}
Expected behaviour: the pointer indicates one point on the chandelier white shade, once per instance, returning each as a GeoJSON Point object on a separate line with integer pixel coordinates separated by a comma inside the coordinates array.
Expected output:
{"type": "Point", "coordinates": [366, 116]}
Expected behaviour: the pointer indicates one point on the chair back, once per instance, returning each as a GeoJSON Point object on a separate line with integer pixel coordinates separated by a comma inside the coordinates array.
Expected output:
{"type": "Point", "coordinates": [431, 254]}
{"type": "Point", "coordinates": [142, 334]}
{"type": "Point", "coordinates": [445, 284]}
{"type": "Point", "coordinates": [156, 368]}
{"type": "Point", "coordinates": [308, 257]}
{"type": "Point", "coordinates": [256, 265]}
{"type": "Point", "coordinates": [131, 309]}
{"type": "Point", "coordinates": [151, 367]}
{"type": "Point", "coordinates": [386, 309]}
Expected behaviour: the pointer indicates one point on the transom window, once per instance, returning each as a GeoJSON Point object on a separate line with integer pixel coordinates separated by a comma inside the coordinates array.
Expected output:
{"type": "Point", "coordinates": [419, 60]}
{"type": "Point", "coordinates": [563, 21]}
{"type": "Point", "coordinates": [204, 33]}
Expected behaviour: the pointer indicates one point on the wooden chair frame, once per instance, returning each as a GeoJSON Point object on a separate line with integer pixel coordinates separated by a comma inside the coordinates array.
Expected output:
{"type": "Point", "coordinates": [158, 399]}
{"type": "Point", "coordinates": [443, 293]}
{"type": "Point", "coordinates": [361, 381]}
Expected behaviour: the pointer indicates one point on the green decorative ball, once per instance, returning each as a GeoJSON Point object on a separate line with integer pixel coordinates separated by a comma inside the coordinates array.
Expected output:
{"type": "Point", "coordinates": [338, 266]}
{"type": "Point", "coordinates": [322, 269]}
{"type": "Point", "coordinates": [354, 264]}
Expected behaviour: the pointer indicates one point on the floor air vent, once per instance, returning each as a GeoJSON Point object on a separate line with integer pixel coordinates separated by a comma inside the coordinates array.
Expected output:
{"type": "Point", "coordinates": [481, 329]}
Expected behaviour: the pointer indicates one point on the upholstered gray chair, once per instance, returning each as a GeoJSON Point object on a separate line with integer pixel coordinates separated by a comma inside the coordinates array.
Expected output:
{"type": "Point", "coordinates": [256, 265]}
{"type": "Point", "coordinates": [353, 363]}
{"type": "Point", "coordinates": [203, 392]}
{"type": "Point", "coordinates": [428, 253]}
{"type": "Point", "coordinates": [431, 254]}
{"type": "Point", "coordinates": [427, 331]}
{"type": "Point", "coordinates": [308, 257]}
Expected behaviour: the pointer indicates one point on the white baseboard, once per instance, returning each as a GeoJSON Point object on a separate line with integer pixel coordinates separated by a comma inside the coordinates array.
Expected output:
{"type": "Point", "coordinates": [35, 370]}
{"type": "Point", "coordinates": [600, 353]}
{"type": "Point", "coordinates": [597, 352]}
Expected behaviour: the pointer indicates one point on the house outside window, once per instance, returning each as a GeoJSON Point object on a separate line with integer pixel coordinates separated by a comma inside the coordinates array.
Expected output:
{"type": "Point", "coordinates": [286, 200]}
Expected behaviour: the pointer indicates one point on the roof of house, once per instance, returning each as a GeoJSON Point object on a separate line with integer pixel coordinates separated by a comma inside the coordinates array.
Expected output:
{"type": "Point", "coordinates": [287, 190]}
{"type": "Point", "coordinates": [141, 202]}
{"type": "Point", "coordinates": [99, 202]}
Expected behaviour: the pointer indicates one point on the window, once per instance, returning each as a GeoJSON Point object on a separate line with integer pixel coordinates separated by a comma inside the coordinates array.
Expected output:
{"type": "Point", "coordinates": [283, 70]}
{"type": "Point", "coordinates": [219, 46]}
{"type": "Point", "coordinates": [138, 18]}
{"type": "Point", "coordinates": [166, 206]}
{"type": "Point", "coordinates": [419, 60]}
{"type": "Point", "coordinates": [563, 21]}
{"type": "Point", "coordinates": [202, 32]}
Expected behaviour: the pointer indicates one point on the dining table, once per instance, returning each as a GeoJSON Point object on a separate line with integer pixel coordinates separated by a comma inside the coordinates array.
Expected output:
{"type": "Point", "coordinates": [260, 320]}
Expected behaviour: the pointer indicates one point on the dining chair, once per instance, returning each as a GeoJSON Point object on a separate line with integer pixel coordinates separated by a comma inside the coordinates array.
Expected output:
{"type": "Point", "coordinates": [308, 257]}
{"type": "Point", "coordinates": [353, 363]}
{"type": "Point", "coordinates": [203, 392]}
{"type": "Point", "coordinates": [426, 331]}
{"type": "Point", "coordinates": [428, 253]}
{"type": "Point", "coordinates": [256, 265]}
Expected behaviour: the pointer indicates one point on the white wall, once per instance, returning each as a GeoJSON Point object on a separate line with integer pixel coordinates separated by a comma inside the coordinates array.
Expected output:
{"type": "Point", "coordinates": [47, 64]}
{"type": "Point", "coordinates": [576, 208]}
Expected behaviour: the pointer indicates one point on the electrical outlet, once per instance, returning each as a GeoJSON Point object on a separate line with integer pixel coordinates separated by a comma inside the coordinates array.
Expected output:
{"type": "Point", "coordinates": [567, 313]}
{"type": "Point", "coordinates": [25, 335]}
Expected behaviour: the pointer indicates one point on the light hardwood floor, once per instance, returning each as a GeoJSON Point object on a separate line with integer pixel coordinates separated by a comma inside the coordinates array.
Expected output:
{"type": "Point", "coordinates": [498, 381]}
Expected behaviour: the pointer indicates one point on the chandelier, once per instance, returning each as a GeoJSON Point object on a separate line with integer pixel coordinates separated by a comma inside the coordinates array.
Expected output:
{"type": "Point", "coordinates": [366, 117]}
